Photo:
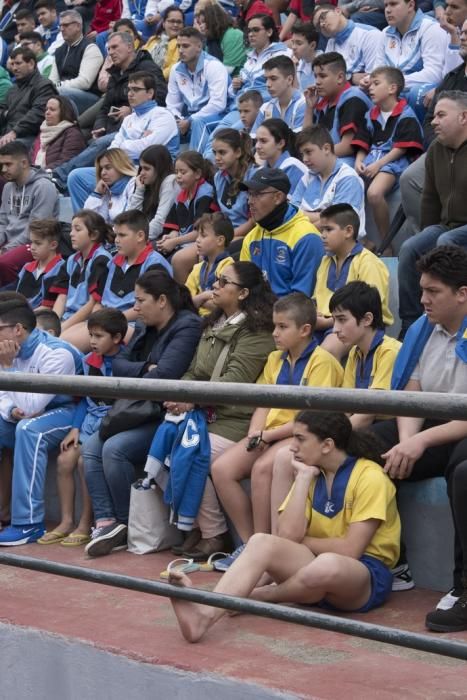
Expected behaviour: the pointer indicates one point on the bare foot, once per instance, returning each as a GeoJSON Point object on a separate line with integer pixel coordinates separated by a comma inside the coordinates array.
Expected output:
{"type": "Point", "coordinates": [194, 619]}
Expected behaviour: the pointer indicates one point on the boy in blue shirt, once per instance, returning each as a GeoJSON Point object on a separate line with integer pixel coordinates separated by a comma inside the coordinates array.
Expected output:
{"type": "Point", "coordinates": [40, 281]}
{"type": "Point", "coordinates": [107, 328]}
{"type": "Point", "coordinates": [389, 138]}
{"type": "Point", "coordinates": [286, 102]}
{"type": "Point", "coordinates": [329, 180]}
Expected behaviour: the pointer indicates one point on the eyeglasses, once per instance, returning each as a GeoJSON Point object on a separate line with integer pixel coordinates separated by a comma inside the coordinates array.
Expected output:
{"type": "Point", "coordinates": [254, 30]}
{"type": "Point", "coordinates": [222, 281]}
{"type": "Point", "coordinates": [136, 89]}
{"type": "Point", "coordinates": [68, 24]}
{"type": "Point", "coordinates": [252, 194]}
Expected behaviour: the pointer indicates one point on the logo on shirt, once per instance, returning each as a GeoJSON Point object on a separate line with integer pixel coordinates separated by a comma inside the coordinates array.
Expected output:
{"type": "Point", "coordinates": [329, 507]}
{"type": "Point", "coordinates": [190, 436]}
{"type": "Point", "coordinates": [281, 255]}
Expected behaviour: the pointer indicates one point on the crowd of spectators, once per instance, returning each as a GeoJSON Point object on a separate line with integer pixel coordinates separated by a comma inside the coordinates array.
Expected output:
{"type": "Point", "coordinates": [222, 162]}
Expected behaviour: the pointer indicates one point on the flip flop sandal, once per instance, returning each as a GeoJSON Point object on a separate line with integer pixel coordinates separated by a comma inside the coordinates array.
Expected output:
{"type": "Point", "coordinates": [53, 537]}
{"type": "Point", "coordinates": [209, 564]}
{"type": "Point", "coordinates": [75, 540]}
{"type": "Point", "coordinates": [186, 566]}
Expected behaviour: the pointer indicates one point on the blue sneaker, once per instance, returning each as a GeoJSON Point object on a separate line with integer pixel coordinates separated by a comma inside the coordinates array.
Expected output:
{"type": "Point", "coordinates": [23, 534]}
{"type": "Point", "coordinates": [226, 562]}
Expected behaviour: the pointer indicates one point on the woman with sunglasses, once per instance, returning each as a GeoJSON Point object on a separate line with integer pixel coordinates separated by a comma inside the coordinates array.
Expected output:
{"type": "Point", "coordinates": [240, 328]}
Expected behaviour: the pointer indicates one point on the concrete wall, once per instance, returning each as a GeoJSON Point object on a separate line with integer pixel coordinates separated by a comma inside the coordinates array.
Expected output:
{"type": "Point", "coordinates": [39, 666]}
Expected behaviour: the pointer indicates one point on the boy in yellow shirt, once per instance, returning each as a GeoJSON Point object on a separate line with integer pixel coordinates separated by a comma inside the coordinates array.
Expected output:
{"type": "Point", "coordinates": [358, 321]}
{"type": "Point", "coordinates": [346, 260]}
{"type": "Point", "coordinates": [299, 361]}
{"type": "Point", "coordinates": [215, 232]}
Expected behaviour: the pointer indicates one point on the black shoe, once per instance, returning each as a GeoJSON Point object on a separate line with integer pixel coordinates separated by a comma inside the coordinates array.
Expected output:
{"type": "Point", "coordinates": [453, 620]}
{"type": "Point", "coordinates": [106, 539]}
{"type": "Point", "coordinates": [190, 542]}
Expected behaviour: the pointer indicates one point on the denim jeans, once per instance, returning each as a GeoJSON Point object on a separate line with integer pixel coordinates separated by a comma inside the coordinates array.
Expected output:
{"type": "Point", "coordinates": [413, 249]}
{"type": "Point", "coordinates": [81, 183]}
{"type": "Point", "coordinates": [84, 159]}
{"type": "Point", "coordinates": [109, 469]}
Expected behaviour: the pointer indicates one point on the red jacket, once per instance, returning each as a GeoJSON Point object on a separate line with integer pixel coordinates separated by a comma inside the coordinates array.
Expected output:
{"type": "Point", "coordinates": [106, 11]}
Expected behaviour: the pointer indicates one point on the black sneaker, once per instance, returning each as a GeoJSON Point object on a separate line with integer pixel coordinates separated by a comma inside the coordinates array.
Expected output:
{"type": "Point", "coordinates": [402, 578]}
{"type": "Point", "coordinates": [448, 600]}
{"type": "Point", "coordinates": [107, 539]}
{"type": "Point", "coordinates": [453, 620]}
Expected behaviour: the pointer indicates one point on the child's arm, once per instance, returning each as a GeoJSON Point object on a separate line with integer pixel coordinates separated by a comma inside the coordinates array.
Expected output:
{"type": "Point", "coordinates": [168, 243]}
{"type": "Point", "coordinates": [202, 299]}
{"type": "Point", "coordinates": [81, 315]}
{"type": "Point", "coordinates": [282, 432]}
{"type": "Point", "coordinates": [257, 422]}
{"type": "Point", "coordinates": [70, 440]}
{"type": "Point", "coordinates": [293, 521]}
{"type": "Point", "coordinates": [359, 158]}
{"type": "Point", "coordinates": [243, 229]}
{"type": "Point", "coordinates": [287, 26]}
{"type": "Point", "coordinates": [352, 544]}
{"type": "Point", "coordinates": [394, 154]}
{"type": "Point", "coordinates": [324, 322]}
{"type": "Point", "coordinates": [344, 147]}
{"type": "Point", "coordinates": [59, 306]}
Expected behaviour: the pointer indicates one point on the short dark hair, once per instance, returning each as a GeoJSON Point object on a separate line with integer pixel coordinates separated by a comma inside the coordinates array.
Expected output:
{"type": "Point", "coordinates": [32, 36]}
{"type": "Point", "coordinates": [25, 14]}
{"type": "Point", "coordinates": [359, 298]}
{"type": "Point", "coordinates": [17, 149]}
{"type": "Point", "coordinates": [253, 95]}
{"type": "Point", "coordinates": [307, 30]}
{"type": "Point", "coordinates": [111, 321]}
{"type": "Point", "coordinates": [317, 135]}
{"type": "Point", "coordinates": [15, 308]}
{"type": "Point", "coordinates": [299, 307]}
{"type": "Point", "coordinates": [343, 215]}
{"type": "Point", "coordinates": [134, 219]}
{"type": "Point", "coordinates": [48, 320]}
{"type": "Point", "coordinates": [220, 223]}
{"type": "Point", "coordinates": [148, 79]}
{"type": "Point", "coordinates": [191, 33]}
{"type": "Point", "coordinates": [27, 54]}
{"type": "Point", "coordinates": [46, 228]}
{"type": "Point", "coordinates": [333, 60]}
{"type": "Point", "coordinates": [283, 64]}
{"type": "Point", "coordinates": [448, 263]}
{"type": "Point", "coordinates": [48, 4]}
{"type": "Point", "coordinates": [392, 75]}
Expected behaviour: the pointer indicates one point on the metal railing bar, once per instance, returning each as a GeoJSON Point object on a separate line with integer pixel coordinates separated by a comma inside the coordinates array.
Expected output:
{"type": "Point", "coordinates": [387, 635]}
{"type": "Point", "coordinates": [390, 403]}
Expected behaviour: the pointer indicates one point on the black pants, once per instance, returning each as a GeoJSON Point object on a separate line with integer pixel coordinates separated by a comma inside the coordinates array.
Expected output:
{"type": "Point", "coordinates": [450, 461]}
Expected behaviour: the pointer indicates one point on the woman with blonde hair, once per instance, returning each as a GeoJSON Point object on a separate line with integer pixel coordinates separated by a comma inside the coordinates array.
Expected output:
{"type": "Point", "coordinates": [115, 183]}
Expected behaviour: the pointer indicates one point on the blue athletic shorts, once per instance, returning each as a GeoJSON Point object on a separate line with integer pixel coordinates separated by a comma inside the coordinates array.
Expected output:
{"type": "Point", "coordinates": [381, 585]}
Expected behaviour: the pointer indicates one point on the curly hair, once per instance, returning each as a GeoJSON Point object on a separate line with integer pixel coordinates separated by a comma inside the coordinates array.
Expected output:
{"type": "Point", "coordinates": [258, 304]}
{"type": "Point", "coordinates": [217, 21]}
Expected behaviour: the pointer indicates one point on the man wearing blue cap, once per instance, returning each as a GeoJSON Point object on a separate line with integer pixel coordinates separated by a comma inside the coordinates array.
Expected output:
{"type": "Point", "coordinates": [284, 244]}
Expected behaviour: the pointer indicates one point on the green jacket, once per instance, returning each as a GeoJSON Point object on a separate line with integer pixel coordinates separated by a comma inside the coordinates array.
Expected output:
{"type": "Point", "coordinates": [244, 362]}
{"type": "Point", "coordinates": [5, 83]}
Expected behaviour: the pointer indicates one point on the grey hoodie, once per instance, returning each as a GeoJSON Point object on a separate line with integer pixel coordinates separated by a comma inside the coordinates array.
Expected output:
{"type": "Point", "coordinates": [36, 199]}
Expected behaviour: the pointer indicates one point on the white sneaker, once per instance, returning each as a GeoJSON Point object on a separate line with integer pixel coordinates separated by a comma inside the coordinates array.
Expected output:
{"type": "Point", "coordinates": [402, 578]}
{"type": "Point", "coordinates": [448, 600]}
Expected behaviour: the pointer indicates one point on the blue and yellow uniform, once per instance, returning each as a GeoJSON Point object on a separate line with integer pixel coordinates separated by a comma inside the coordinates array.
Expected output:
{"type": "Point", "coordinates": [360, 491]}
{"type": "Point", "coordinates": [289, 255]}
{"type": "Point", "coordinates": [201, 279]}
{"type": "Point", "coordinates": [360, 264]}
{"type": "Point", "coordinates": [315, 367]}
{"type": "Point", "coordinates": [375, 371]}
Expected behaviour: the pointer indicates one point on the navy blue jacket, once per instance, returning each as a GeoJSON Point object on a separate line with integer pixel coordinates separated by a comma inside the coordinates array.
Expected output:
{"type": "Point", "coordinates": [171, 350]}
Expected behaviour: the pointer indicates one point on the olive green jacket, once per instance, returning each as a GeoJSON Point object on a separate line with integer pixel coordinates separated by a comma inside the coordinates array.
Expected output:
{"type": "Point", "coordinates": [244, 362]}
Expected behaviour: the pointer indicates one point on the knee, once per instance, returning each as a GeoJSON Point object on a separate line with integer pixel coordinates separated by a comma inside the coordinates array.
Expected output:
{"type": "Point", "coordinates": [261, 541]}
{"type": "Point", "coordinates": [64, 464]}
{"type": "Point", "coordinates": [321, 571]}
{"type": "Point", "coordinates": [375, 195]}
{"type": "Point", "coordinates": [262, 468]}
{"type": "Point", "coordinates": [283, 462]}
